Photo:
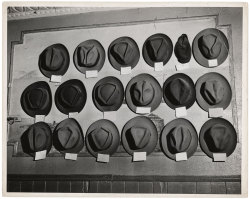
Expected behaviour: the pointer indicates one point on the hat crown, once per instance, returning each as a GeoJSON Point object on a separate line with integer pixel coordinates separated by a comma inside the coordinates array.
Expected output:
{"type": "Point", "coordinates": [123, 52]}
{"type": "Point", "coordinates": [88, 56]}
{"type": "Point", "coordinates": [213, 91]}
{"type": "Point", "coordinates": [183, 49]}
{"type": "Point", "coordinates": [141, 136]}
{"type": "Point", "coordinates": [142, 93]}
{"type": "Point", "coordinates": [70, 95]}
{"type": "Point", "coordinates": [37, 98]}
{"type": "Point", "coordinates": [210, 46]}
{"type": "Point", "coordinates": [68, 137]}
{"type": "Point", "coordinates": [157, 49]}
{"type": "Point", "coordinates": [53, 59]}
{"type": "Point", "coordinates": [37, 138]}
{"type": "Point", "coordinates": [102, 138]}
{"type": "Point", "coordinates": [108, 94]}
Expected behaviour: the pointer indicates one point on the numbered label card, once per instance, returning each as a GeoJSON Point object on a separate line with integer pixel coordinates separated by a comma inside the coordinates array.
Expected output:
{"type": "Point", "coordinates": [39, 118]}
{"type": "Point", "coordinates": [72, 115]}
{"type": "Point", "coordinates": [212, 62]}
{"type": "Point", "coordinates": [143, 110]}
{"type": "Point", "coordinates": [180, 66]}
{"type": "Point", "coordinates": [56, 78]}
{"type": "Point", "coordinates": [181, 156]}
{"type": "Point", "coordinates": [181, 112]}
{"type": "Point", "coordinates": [91, 73]}
{"type": "Point", "coordinates": [70, 156]}
{"type": "Point", "coordinates": [125, 70]}
{"type": "Point", "coordinates": [158, 66]}
{"type": "Point", "coordinates": [215, 112]}
{"type": "Point", "coordinates": [109, 115]}
{"type": "Point", "coordinates": [139, 156]}
{"type": "Point", "coordinates": [40, 155]}
{"type": "Point", "coordinates": [102, 158]}
{"type": "Point", "coordinates": [219, 157]}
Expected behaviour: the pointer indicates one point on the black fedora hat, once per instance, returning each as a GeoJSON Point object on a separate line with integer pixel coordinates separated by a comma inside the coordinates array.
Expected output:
{"type": "Point", "coordinates": [213, 91]}
{"type": "Point", "coordinates": [108, 94]}
{"type": "Point", "coordinates": [38, 137]}
{"type": "Point", "coordinates": [143, 90]}
{"type": "Point", "coordinates": [68, 136]}
{"type": "Point", "coordinates": [54, 60]}
{"type": "Point", "coordinates": [157, 48]}
{"type": "Point", "coordinates": [182, 49]}
{"type": "Point", "coordinates": [218, 135]}
{"type": "Point", "coordinates": [123, 52]}
{"type": "Point", "coordinates": [178, 91]}
{"type": "Point", "coordinates": [139, 135]}
{"type": "Point", "coordinates": [179, 136]}
{"type": "Point", "coordinates": [102, 137]}
{"type": "Point", "coordinates": [71, 96]}
{"type": "Point", "coordinates": [210, 44]}
{"type": "Point", "coordinates": [36, 99]}
{"type": "Point", "coordinates": [89, 55]}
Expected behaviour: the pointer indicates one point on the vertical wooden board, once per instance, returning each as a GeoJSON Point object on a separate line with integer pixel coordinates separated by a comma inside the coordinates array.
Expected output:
{"type": "Point", "coordinates": [51, 186]}
{"type": "Point", "coordinates": [14, 186]}
{"type": "Point", "coordinates": [26, 186]}
{"type": "Point", "coordinates": [157, 187]}
{"type": "Point", "coordinates": [218, 187]}
{"type": "Point", "coordinates": [203, 188]}
{"type": "Point", "coordinates": [118, 187]}
{"type": "Point", "coordinates": [64, 186]}
{"type": "Point", "coordinates": [182, 187]}
{"type": "Point", "coordinates": [39, 186]}
{"type": "Point", "coordinates": [233, 187]}
{"type": "Point", "coordinates": [77, 187]}
{"type": "Point", "coordinates": [131, 187]}
{"type": "Point", "coordinates": [93, 187]}
{"type": "Point", "coordinates": [104, 187]}
{"type": "Point", "coordinates": [145, 187]}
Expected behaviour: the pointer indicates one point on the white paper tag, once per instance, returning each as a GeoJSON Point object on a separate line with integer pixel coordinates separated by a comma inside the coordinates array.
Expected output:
{"type": "Point", "coordinates": [215, 112]}
{"type": "Point", "coordinates": [139, 156]}
{"type": "Point", "coordinates": [56, 78]}
{"type": "Point", "coordinates": [181, 156]}
{"type": "Point", "coordinates": [143, 110]}
{"type": "Point", "coordinates": [72, 115]}
{"type": "Point", "coordinates": [40, 155]}
{"type": "Point", "coordinates": [219, 157]}
{"type": "Point", "coordinates": [109, 115]}
{"type": "Point", "coordinates": [180, 66]}
{"type": "Point", "coordinates": [70, 156]}
{"type": "Point", "coordinates": [102, 157]}
{"type": "Point", "coordinates": [91, 73]}
{"type": "Point", "coordinates": [181, 112]}
{"type": "Point", "coordinates": [39, 118]}
{"type": "Point", "coordinates": [212, 62]}
{"type": "Point", "coordinates": [158, 66]}
{"type": "Point", "coordinates": [125, 70]}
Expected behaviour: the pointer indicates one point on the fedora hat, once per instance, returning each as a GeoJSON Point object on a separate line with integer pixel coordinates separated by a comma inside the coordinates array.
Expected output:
{"type": "Point", "coordinates": [157, 48]}
{"type": "Point", "coordinates": [143, 90]}
{"type": "Point", "coordinates": [36, 99]}
{"type": "Point", "coordinates": [89, 55]}
{"type": "Point", "coordinates": [38, 137]}
{"type": "Point", "coordinates": [54, 60]}
{"type": "Point", "coordinates": [213, 91]}
{"type": "Point", "coordinates": [102, 137]}
{"type": "Point", "coordinates": [123, 52]}
{"type": "Point", "coordinates": [108, 94]}
{"type": "Point", "coordinates": [179, 136]}
{"type": "Point", "coordinates": [68, 136]}
{"type": "Point", "coordinates": [71, 96]}
{"type": "Point", "coordinates": [218, 135]}
{"type": "Point", "coordinates": [139, 135]}
{"type": "Point", "coordinates": [178, 91]}
{"type": "Point", "coordinates": [210, 44]}
{"type": "Point", "coordinates": [182, 49]}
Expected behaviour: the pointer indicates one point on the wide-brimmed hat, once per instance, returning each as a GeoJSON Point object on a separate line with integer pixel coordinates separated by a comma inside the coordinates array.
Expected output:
{"type": "Point", "coordinates": [38, 137]}
{"type": "Point", "coordinates": [123, 52]}
{"type": "Point", "coordinates": [143, 90]}
{"type": "Point", "coordinates": [71, 96]}
{"type": "Point", "coordinates": [54, 60]}
{"type": "Point", "coordinates": [182, 49]}
{"type": "Point", "coordinates": [139, 135]}
{"type": "Point", "coordinates": [210, 44]}
{"type": "Point", "coordinates": [179, 136]}
{"type": "Point", "coordinates": [218, 135]}
{"type": "Point", "coordinates": [68, 136]}
{"type": "Point", "coordinates": [102, 137]}
{"type": "Point", "coordinates": [36, 99]}
{"type": "Point", "coordinates": [89, 55]}
{"type": "Point", "coordinates": [157, 48]}
{"type": "Point", "coordinates": [108, 94]}
{"type": "Point", "coordinates": [178, 91]}
{"type": "Point", "coordinates": [213, 91]}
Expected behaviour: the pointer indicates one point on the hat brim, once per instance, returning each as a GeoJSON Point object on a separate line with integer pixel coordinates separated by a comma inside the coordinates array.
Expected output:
{"type": "Point", "coordinates": [158, 91]}
{"type": "Point", "coordinates": [207, 125]}
{"type": "Point", "coordinates": [145, 52]}
{"type": "Point", "coordinates": [227, 95]}
{"type": "Point", "coordinates": [99, 64]}
{"type": "Point", "coordinates": [191, 101]}
{"type": "Point", "coordinates": [167, 129]}
{"type": "Point", "coordinates": [224, 49]}
{"type": "Point", "coordinates": [140, 121]}
{"type": "Point", "coordinates": [113, 61]}
{"type": "Point", "coordinates": [112, 129]}
{"type": "Point", "coordinates": [63, 69]}
{"type": "Point", "coordinates": [118, 101]}
{"type": "Point", "coordinates": [24, 103]}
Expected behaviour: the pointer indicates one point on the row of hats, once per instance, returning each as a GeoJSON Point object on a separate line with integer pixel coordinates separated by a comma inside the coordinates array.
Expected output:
{"type": "Point", "coordinates": [210, 48]}
{"type": "Point", "coordinates": [139, 134]}
{"type": "Point", "coordinates": [212, 90]}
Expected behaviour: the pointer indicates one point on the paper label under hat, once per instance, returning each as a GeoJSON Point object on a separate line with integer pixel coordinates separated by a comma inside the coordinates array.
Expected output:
{"type": "Point", "coordinates": [212, 62]}
{"type": "Point", "coordinates": [219, 157]}
{"type": "Point", "coordinates": [181, 156]}
{"type": "Point", "coordinates": [70, 156]}
{"type": "Point", "coordinates": [40, 155]}
{"type": "Point", "coordinates": [125, 70]}
{"type": "Point", "coordinates": [181, 112]}
{"type": "Point", "coordinates": [39, 118]}
{"type": "Point", "coordinates": [180, 66]}
{"type": "Point", "coordinates": [72, 114]}
{"type": "Point", "coordinates": [109, 115]}
{"type": "Point", "coordinates": [56, 78]}
{"type": "Point", "coordinates": [158, 66]}
{"type": "Point", "coordinates": [102, 158]}
{"type": "Point", "coordinates": [139, 156]}
{"type": "Point", "coordinates": [215, 112]}
{"type": "Point", "coordinates": [143, 110]}
{"type": "Point", "coordinates": [91, 73]}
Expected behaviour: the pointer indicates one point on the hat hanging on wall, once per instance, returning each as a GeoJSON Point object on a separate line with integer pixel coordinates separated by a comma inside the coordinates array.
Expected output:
{"type": "Point", "coordinates": [213, 91]}
{"type": "Point", "coordinates": [71, 96]}
{"type": "Point", "coordinates": [218, 135]}
{"type": "Point", "coordinates": [143, 90]}
{"type": "Point", "coordinates": [38, 137]}
{"type": "Point", "coordinates": [179, 91]}
{"type": "Point", "coordinates": [108, 94]}
{"type": "Point", "coordinates": [54, 60]}
{"type": "Point", "coordinates": [102, 137]}
{"type": "Point", "coordinates": [157, 48]}
{"type": "Point", "coordinates": [179, 136]}
{"type": "Point", "coordinates": [139, 135]}
{"type": "Point", "coordinates": [210, 45]}
{"type": "Point", "coordinates": [182, 49]}
{"type": "Point", "coordinates": [36, 99]}
{"type": "Point", "coordinates": [123, 52]}
{"type": "Point", "coordinates": [68, 136]}
{"type": "Point", "coordinates": [89, 55]}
